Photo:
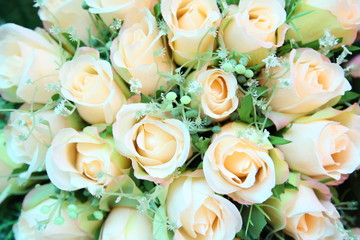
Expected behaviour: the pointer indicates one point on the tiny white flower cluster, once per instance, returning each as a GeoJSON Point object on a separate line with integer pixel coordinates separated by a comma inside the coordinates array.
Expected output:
{"type": "Point", "coordinates": [271, 61]}
{"type": "Point", "coordinates": [116, 24]}
{"type": "Point", "coordinates": [194, 87]}
{"type": "Point", "coordinates": [135, 85]}
{"type": "Point", "coordinates": [62, 110]}
{"type": "Point", "coordinates": [327, 42]}
{"type": "Point", "coordinates": [254, 135]}
{"type": "Point", "coordinates": [342, 57]}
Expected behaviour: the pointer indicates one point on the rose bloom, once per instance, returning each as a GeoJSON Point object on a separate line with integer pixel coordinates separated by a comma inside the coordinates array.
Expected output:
{"type": "Point", "coordinates": [199, 213]}
{"type": "Point", "coordinates": [68, 16]}
{"type": "Point", "coordinates": [190, 23]}
{"type": "Point", "coordinates": [309, 82]}
{"type": "Point", "coordinates": [254, 27]}
{"type": "Point", "coordinates": [124, 222]}
{"type": "Point", "coordinates": [355, 69]}
{"type": "Point", "coordinates": [155, 146]}
{"type": "Point", "coordinates": [109, 10]}
{"type": "Point", "coordinates": [137, 53]}
{"type": "Point", "coordinates": [331, 139]}
{"type": "Point", "coordinates": [23, 53]}
{"type": "Point", "coordinates": [305, 213]}
{"type": "Point", "coordinates": [32, 216]}
{"type": "Point", "coordinates": [242, 168]}
{"type": "Point", "coordinates": [88, 82]}
{"type": "Point", "coordinates": [78, 160]}
{"type": "Point", "coordinates": [340, 17]}
{"type": "Point", "coordinates": [28, 136]}
{"type": "Point", "coordinates": [218, 99]}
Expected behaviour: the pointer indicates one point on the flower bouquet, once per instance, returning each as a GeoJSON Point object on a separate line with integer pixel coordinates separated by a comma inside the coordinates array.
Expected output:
{"type": "Point", "coordinates": [181, 119]}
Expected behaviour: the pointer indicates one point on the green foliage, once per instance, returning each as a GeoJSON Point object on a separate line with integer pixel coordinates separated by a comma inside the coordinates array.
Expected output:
{"type": "Point", "coordinates": [20, 12]}
{"type": "Point", "coordinates": [278, 140]}
{"type": "Point", "coordinates": [254, 221]}
{"type": "Point", "coordinates": [348, 97]}
{"type": "Point", "coordinates": [9, 213]}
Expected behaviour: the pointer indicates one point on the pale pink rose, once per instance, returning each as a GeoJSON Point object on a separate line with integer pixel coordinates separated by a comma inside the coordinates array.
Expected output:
{"type": "Point", "coordinates": [138, 54]}
{"type": "Point", "coordinates": [218, 97]}
{"type": "Point", "coordinates": [88, 82]}
{"type": "Point", "coordinates": [199, 213]}
{"type": "Point", "coordinates": [23, 54]}
{"type": "Point", "coordinates": [109, 9]}
{"type": "Point", "coordinates": [68, 15]}
{"type": "Point", "coordinates": [79, 160]}
{"type": "Point", "coordinates": [305, 213]}
{"type": "Point", "coordinates": [33, 224]}
{"type": "Point", "coordinates": [190, 24]}
{"type": "Point", "coordinates": [355, 66]}
{"type": "Point", "coordinates": [124, 223]}
{"type": "Point", "coordinates": [331, 139]}
{"type": "Point", "coordinates": [243, 168]}
{"type": "Point", "coordinates": [254, 27]}
{"type": "Point", "coordinates": [307, 81]}
{"type": "Point", "coordinates": [156, 147]}
{"type": "Point", "coordinates": [29, 135]}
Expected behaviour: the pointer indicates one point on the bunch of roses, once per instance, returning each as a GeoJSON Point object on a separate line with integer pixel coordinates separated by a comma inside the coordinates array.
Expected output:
{"type": "Point", "coordinates": [158, 114]}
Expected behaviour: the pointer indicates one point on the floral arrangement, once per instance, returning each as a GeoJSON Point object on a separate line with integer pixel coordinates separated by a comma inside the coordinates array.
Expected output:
{"type": "Point", "coordinates": [180, 119]}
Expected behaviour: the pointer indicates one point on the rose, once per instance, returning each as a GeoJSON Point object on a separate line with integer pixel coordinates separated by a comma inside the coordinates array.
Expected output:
{"type": "Point", "coordinates": [242, 167]}
{"type": "Point", "coordinates": [355, 67]}
{"type": "Point", "coordinates": [36, 223]}
{"type": "Point", "coordinates": [218, 99]}
{"type": "Point", "coordinates": [190, 24]}
{"type": "Point", "coordinates": [137, 53]}
{"type": "Point", "coordinates": [305, 213]}
{"type": "Point", "coordinates": [124, 222]}
{"type": "Point", "coordinates": [155, 146]}
{"type": "Point", "coordinates": [23, 53]}
{"type": "Point", "coordinates": [29, 134]}
{"type": "Point", "coordinates": [340, 17]}
{"type": "Point", "coordinates": [88, 81]}
{"type": "Point", "coordinates": [109, 9]}
{"type": "Point", "coordinates": [331, 140]}
{"type": "Point", "coordinates": [309, 82]}
{"type": "Point", "coordinates": [78, 160]}
{"type": "Point", "coordinates": [68, 16]}
{"type": "Point", "coordinates": [198, 212]}
{"type": "Point", "coordinates": [259, 24]}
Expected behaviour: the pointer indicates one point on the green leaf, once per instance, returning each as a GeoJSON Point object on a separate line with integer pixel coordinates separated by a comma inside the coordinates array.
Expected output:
{"type": "Point", "coordinates": [21, 169]}
{"type": "Point", "coordinates": [278, 140]}
{"type": "Point", "coordinates": [262, 91]}
{"type": "Point", "coordinates": [246, 109]}
{"type": "Point", "coordinates": [145, 99]}
{"type": "Point", "coordinates": [353, 48]}
{"type": "Point", "coordinates": [202, 144]}
{"type": "Point", "coordinates": [348, 96]}
{"type": "Point", "coordinates": [160, 229]}
{"type": "Point", "coordinates": [254, 221]}
{"type": "Point", "coordinates": [157, 11]}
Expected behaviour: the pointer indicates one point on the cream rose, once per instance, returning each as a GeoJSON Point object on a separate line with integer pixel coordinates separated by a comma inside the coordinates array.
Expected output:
{"type": "Point", "coordinates": [331, 142]}
{"type": "Point", "coordinates": [29, 134]}
{"type": "Point", "coordinates": [306, 213]}
{"type": "Point", "coordinates": [155, 146]}
{"type": "Point", "coordinates": [23, 54]}
{"type": "Point", "coordinates": [137, 53]}
{"type": "Point", "coordinates": [124, 222]}
{"type": "Point", "coordinates": [88, 81]}
{"type": "Point", "coordinates": [218, 98]}
{"type": "Point", "coordinates": [240, 167]}
{"type": "Point", "coordinates": [254, 27]}
{"type": "Point", "coordinates": [306, 83]}
{"type": "Point", "coordinates": [109, 9]}
{"type": "Point", "coordinates": [33, 218]}
{"type": "Point", "coordinates": [199, 213]}
{"type": "Point", "coordinates": [78, 160]}
{"type": "Point", "coordinates": [340, 17]}
{"type": "Point", "coordinates": [191, 23]}
{"type": "Point", "coordinates": [68, 15]}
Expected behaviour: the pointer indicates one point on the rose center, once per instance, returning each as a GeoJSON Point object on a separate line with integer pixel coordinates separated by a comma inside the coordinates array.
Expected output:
{"type": "Point", "coordinates": [190, 17]}
{"type": "Point", "coordinates": [218, 89]}
{"type": "Point", "coordinates": [260, 18]}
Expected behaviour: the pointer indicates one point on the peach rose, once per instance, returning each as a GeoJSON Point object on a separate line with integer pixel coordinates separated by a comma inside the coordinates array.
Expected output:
{"type": "Point", "coordinates": [28, 136]}
{"type": "Point", "coordinates": [331, 139]}
{"type": "Point", "coordinates": [67, 15]}
{"type": "Point", "coordinates": [355, 69]}
{"type": "Point", "coordinates": [306, 213]}
{"type": "Point", "coordinates": [124, 222]}
{"type": "Point", "coordinates": [218, 99]}
{"type": "Point", "coordinates": [311, 81]}
{"type": "Point", "coordinates": [116, 9]}
{"type": "Point", "coordinates": [23, 54]}
{"type": "Point", "coordinates": [199, 213]}
{"type": "Point", "coordinates": [242, 168]}
{"type": "Point", "coordinates": [155, 146]}
{"type": "Point", "coordinates": [254, 27]}
{"type": "Point", "coordinates": [340, 17]}
{"type": "Point", "coordinates": [78, 160]}
{"type": "Point", "coordinates": [88, 81]}
{"type": "Point", "coordinates": [136, 53]}
{"type": "Point", "coordinates": [34, 224]}
{"type": "Point", "coordinates": [190, 23]}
